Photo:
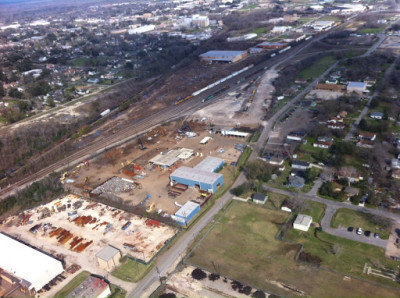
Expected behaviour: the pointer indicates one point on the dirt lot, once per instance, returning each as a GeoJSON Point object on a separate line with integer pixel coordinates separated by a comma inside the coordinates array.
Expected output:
{"type": "Point", "coordinates": [392, 43]}
{"type": "Point", "coordinates": [391, 249]}
{"type": "Point", "coordinates": [152, 180]}
{"type": "Point", "coordinates": [229, 110]}
{"type": "Point", "coordinates": [184, 285]}
{"type": "Point", "coordinates": [323, 94]}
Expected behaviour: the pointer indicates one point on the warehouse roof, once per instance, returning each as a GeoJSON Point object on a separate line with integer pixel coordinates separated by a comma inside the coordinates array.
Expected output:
{"type": "Point", "coordinates": [210, 164]}
{"type": "Point", "coordinates": [196, 175]}
{"type": "Point", "coordinates": [107, 253]}
{"type": "Point", "coordinates": [222, 55]}
{"type": "Point", "coordinates": [169, 158]}
{"type": "Point", "coordinates": [357, 85]}
{"type": "Point", "coordinates": [25, 262]}
{"type": "Point", "coordinates": [187, 209]}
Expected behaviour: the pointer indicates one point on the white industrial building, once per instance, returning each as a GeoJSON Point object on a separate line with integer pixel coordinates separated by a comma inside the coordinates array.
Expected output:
{"type": "Point", "coordinates": [167, 159]}
{"type": "Point", "coordinates": [34, 268]}
{"type": "Point", "coordinates": [302, 222]}
{"type": "Point", "coordinates": [357, 87]}
{"type": "Point", "coordinates": [142, 29]}
{"type": "Point", "coordinates": [229, 131]}
{"type": "Point", "coordinates": [223, 56]}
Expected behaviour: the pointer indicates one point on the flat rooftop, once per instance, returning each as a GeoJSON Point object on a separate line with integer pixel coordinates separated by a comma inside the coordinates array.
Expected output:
{"type": "Point", "coordinates": [196, 175]}
{"type": "Point", "coordinates": [187, 209]}
{"type": "Point", "coordinates": [209, 164]}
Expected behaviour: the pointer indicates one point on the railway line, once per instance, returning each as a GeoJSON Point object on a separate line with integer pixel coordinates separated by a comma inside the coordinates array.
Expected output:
{"type": "Point", "coordinates": [173, 112]}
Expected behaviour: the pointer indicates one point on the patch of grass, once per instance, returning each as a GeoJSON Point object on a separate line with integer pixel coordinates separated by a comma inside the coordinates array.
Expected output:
{"type": "Point", "coordinates": [76, 281]}
{"type": "Point", "coordinates": [243, 158]}
{"type": "Point", "coordinates": [132, 271]}
{"type": "Point", "coordinates": [254, 137]}
{"type": "Point", "coordinates": [117, 292]}
{"type": "Point", "coordinates": [317, 68]}
{"type": "Point", "coordinates": [241, 244]}
{"type": "Point", "coordinates": [275, 200]}
{"type": "Point", "coordinates": [347, 217]}
{"type": "Point", "coordinates": [315, 209]}
{"type": "Point", "coordinates": [260, 31]}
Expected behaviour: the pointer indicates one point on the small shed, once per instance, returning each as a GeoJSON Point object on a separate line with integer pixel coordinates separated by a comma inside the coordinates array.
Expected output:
{"type": "Point", "coordinates": [302, 222]}
{"type": "Point", "coordinates": [108, 257]}
{"type": "Point", "coordinates": [186, 213]}
{"type": "Point", "coordinates": [259, 198]}
{"type": "Point", "coordinates": [287, 206]}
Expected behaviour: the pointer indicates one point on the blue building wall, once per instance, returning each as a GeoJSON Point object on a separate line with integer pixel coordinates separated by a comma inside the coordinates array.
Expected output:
{"type": "Point", "coordinates": [203, 186]}
{"type": "Point", "coordinates": [190, 216]}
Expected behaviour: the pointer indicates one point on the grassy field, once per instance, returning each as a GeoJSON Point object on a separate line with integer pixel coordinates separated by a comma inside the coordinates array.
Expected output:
{"type": "Point", "coordinates": [351, 258]}
{"type": "Point", "coordinates": [117, 292]}
{"type": "Point", "coordinates": [315, 209]}
{"type": "Point", "coordinates": [346, 218]}
{"type": "Point", "coordinates": [260, 31]}
{"type": "Point", "coordinates": [370, 30]}
{"type": "Point", "coordinates": [242, 245]}
{"type": "Point", "coordinates": [132, 271]}
{"type": "Point", "coordinates": [76, 281]}
{"type": "Point", "coordinates": [317, 68]}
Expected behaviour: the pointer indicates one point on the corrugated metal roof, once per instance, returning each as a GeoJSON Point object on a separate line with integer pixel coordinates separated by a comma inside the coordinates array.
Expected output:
{"type": "Point", "coordinates": [210, 164]}
{"type": "Point", "coordinates": [196, 175]}
{"type": "Point", "coordinates": [187, 209]}
{"type": "Point", "coordinates": [222, 54]}
{"type": "Point", "coordinates": [357, 85]}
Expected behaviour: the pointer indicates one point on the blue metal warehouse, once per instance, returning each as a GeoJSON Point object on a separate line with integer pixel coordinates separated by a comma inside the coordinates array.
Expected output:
{"type": "Point", "coordinates": [201, 176]}
{"type": "Point", "coordinates": [187, 212]}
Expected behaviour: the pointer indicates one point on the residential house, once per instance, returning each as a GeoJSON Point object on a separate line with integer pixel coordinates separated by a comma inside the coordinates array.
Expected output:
{"type": "Point", "coordinates": [396, 174]}
{"type": "Point", "coordinates": [365, 143]}
{"type": "Point", "coordinates": [367, 136]}
{"type": "Point", "coordinates": [300, 165]}
{"type": "Point", "coordinates": [351, 173]}
{"type": "Point", "coordinates": [351, 191]}
{"type": "Point", "coordinates": [296, 135]}
{"type": "Point", "coordinates": [324, 145]}
{"type": "Point", "coordinates": [330, 87]}
{"type": "Point", "coordinates": [259, 198]}
{"type": "Point", "coordinates": [336, 125]}
{"type": "Point", "coordinates": [377, 115]}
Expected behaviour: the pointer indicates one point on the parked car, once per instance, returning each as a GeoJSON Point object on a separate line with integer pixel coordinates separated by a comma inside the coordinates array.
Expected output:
{"type": "Point", "coordinates": [350, 229]}
{"type": "Point", "coordinates": [367, 233]}
{"type": "Point", "coordinates": [376, 235]}
{"type": "Point", "coordinates": [359, 231]}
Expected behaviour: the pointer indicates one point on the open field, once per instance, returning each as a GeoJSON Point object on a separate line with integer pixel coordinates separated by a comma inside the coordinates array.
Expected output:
{"type": "Point", "coordinates": [317, 68]}
{"type": "Point", "coordinates": [350, 258]}
{"type": "Point", "coordinates": [232, 248]}
{"type": "Point", "coordinates": [351, 218]}
{"type": "Point", "coordinates": [73, 284]}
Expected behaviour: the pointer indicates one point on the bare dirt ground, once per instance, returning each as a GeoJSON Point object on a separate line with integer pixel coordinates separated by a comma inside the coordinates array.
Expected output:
{"type": "Point", "coordinates": [184, 285]}
{"type": "Point", "coordinates": [323, 94]}
{"type": "Point", "coordinates": [391, 42]}
{"type": "Point", "coordinates": [228, 111]}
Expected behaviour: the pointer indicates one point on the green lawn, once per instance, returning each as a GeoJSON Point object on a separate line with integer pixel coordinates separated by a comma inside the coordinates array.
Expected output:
{"type": "Point", "coordinates": [346, 218]}
{"type": "Point", "coordinates": [243, 158]}
{"type": "Point", "coordinates": [132, 271]}
{"type": "Point", "coordinates": [315, 209]}
{"type": "Point", "coordinates": [117, 292]}
{"type": "Point", "coordinates": [275, 200]}
{"type": "Point", "coordinates": [241, 244]}
{"type": "Point", "coordinates": [76, 281]}
{"type": "Point", "coordinates": [317, 68]}
{"type": "Point", "coordinates": [370, 30]}
{"type": "Point", "coordinates": [260, 31]}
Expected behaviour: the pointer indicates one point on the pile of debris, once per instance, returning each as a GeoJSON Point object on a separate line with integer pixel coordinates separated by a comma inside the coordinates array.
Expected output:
{"type": "Point", "coordinates": [115, 185]}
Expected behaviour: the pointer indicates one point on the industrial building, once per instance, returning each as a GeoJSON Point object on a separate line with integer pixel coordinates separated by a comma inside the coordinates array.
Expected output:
{"type": "Point", "coordinates": [108, 257]}
{"type": "Point", "coordinates": [42, 267]}
{"type": "Point", "coordinates": [202, 176]}
{"type": "Point", "coordinates": [302, 222]}
{"type": "Point", "coordinates": [167, 159]}
{"type": "Point", "coordinates": [229, 131]}
{"type": "Point", "coordinates": [91, 287]}
{"type": "Point", "coordinates": [271, 45]}
{"type": "Point", "coordinates": [357, 87]}
{"type": "Point", "coordinates": [210, 164]}
{"type": "Point", "coordinates": [223, 56]}
{"type": "Point", "coordinates": [186, 213]}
